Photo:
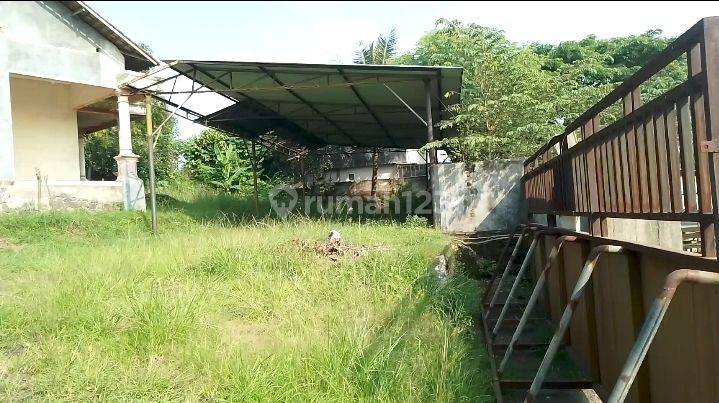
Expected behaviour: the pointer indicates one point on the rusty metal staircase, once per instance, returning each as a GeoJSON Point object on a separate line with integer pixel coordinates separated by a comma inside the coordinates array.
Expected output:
{"type": "Point", "coordinates": [530, 356]}
{"type": "Point", "coordinates": [517, 338]}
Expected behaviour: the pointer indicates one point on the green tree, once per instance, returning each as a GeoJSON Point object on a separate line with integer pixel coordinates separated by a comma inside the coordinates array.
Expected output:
{"type": "Point", "coordinates": [509, 104]}
{"type": "Point", "coordinates": [595, 66]}
{"type": "Point", "coordinates": [515, 97]}
{"type": "Point", "coordinates": [102, 146]}
{"type": "Point", "coordinates": [221, 161]}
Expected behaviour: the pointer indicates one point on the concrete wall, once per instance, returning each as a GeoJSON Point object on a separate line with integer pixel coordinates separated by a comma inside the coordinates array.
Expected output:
{"type": "Point", "coordinates": [43, 39]}
{"type": "Point", "coordinates": [44, 129]}
{"type": "Point", "coordinates": [61, 195]}
{"type": "Point", "coordinates": [484, 196]}
{"type": "Point", "coordinates": [7, 157]}
{"type": "Point", "coordinates": [385, 187]}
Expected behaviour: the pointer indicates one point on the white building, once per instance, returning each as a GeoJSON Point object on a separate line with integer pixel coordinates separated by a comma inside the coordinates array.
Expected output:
{"type": "Point", "coordinates": [61, 65]}
{"type": "Point", "coordinates": [351, 171]}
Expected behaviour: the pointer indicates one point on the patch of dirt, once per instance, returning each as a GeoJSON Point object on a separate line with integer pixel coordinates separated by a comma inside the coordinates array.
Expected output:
{"type": "Point", "coordinates": [253, 336]}
{"type": "Point", "coordinates": [5, 244]}
{"type": "Point", "coordinates": [333, 249]}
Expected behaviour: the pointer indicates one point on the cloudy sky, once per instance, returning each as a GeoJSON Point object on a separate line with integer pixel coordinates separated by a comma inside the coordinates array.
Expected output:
{"type": "Point", "coordinates": [327, 32]}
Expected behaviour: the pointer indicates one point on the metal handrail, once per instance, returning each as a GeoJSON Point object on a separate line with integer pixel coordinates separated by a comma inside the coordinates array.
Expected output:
{"type": "Point", "coordinates": [502, 255]}
{"type": "Point", "coordinates": [651, 325]}
{"type": "Point", "coordinates": [577, 294]}
{"type": "Point", "coordinates": [517, 280]}
{"type": "Point", "coordinates": [493, 301]}
{"type": "Point", "coordinates": [538, 287]}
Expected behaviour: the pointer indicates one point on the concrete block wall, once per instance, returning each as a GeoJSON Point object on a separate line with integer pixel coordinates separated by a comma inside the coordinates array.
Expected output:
{"type": "Point", "coordinates": [484, 196]}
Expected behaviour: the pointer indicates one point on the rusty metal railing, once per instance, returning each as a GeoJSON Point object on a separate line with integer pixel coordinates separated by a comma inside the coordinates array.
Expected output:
{"type": "Point", "coordinates": [520, 275]}
{"type": "Point", "coordinates": [657, 162]}
{"type": "Point", "coordinates": [507, 268]}
{"type": "Point", "coordinates": [651, 325]}
{"type": "Point", "coordinates": [646, 266]}
{"type": "Point", "coordinates": [532, 302]}
{"type": "Point", "coordinates": [582, 282]}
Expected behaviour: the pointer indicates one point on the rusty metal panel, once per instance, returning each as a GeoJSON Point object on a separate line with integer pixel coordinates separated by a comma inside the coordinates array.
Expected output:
{"type": "Point", "coordinates": [686, 152]}
{"type": "Point", "coordinates": [580, 337]}
{"type": "Point", "coordinates": [626, 201]}
{"type": "Point", "coordinates": [665, 191]}
{"type": "Point", "coordinates": [652, 163]}
{"type": "Point", "coordinates": [643, 173]}
{"type": "Point", "coordinates": [705, 302]}
{"type": "Point", "coordinates": [618, 183]}
{"type": "Point", "coordinates": [650, 142]}
{"type": "Point", "coordinates": [556, 286]}
{"type": "Point", "coordinates": [681, 364]}
{"type": "Point", "coordinates": [675, 168]}
{"type": "Point", "coordinates": [618, 319]}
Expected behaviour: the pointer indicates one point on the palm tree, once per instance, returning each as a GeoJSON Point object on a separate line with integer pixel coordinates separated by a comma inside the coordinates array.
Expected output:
{"type": "Point", "coordinates": [379, 51]}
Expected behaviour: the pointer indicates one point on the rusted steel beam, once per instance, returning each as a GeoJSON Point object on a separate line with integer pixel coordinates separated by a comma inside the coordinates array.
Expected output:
{"type": "Point", "coordinates": [710, 68]}
{"type": "Point", "coordinates": [686, 152]}
{"type": "Point", "coordinates": [701, 159]}
{"type": "Point", "coordinates": [631, 146]}
{"type": "Point", "coordinates": [683, 259]}
{"type": "Point", "coordinates": [502, 255]}
{"type": "Point", "coordinates": [519, 346]}
{"type": "Point", "coordinates": [660, 133]}
{"type": "Point", "coordinates": [674, 160]}
{"type": "Point", "coordinates": [693, 217]}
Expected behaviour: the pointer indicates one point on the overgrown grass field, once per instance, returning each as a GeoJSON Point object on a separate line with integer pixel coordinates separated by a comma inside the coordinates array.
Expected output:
{"type": "Point", "coordinates": [221, 306]}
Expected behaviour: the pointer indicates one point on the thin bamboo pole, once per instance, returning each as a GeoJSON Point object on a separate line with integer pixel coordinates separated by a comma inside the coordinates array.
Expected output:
{"type": "Point", "coordinates": [151, 160]}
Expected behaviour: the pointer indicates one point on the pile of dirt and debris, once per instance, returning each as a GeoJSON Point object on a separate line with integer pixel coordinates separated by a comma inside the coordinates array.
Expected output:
{"type": "Point", "coordinates": [333, 248]}
{"type": "Point", "coordinates": [5, 244]}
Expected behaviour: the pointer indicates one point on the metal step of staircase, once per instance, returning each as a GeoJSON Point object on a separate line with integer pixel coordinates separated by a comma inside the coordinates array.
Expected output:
{"type": "Point", "coordinates": [566, 381]}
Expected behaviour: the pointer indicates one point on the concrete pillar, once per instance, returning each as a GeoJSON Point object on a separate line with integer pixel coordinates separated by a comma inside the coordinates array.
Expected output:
{"type": "Point", "coordinates": [81, 157]}
{"type": "Point", "coordinates": [123, 118]}
{"type": "Point", "coordinates": [7, 150]}
{"type": "Point", "coordinates": [133, 189]}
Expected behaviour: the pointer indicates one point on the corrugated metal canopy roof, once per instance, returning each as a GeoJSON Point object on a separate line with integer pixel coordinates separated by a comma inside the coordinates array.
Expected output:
{"type": "Point", "coordinates": [322, 104]}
